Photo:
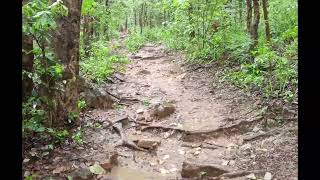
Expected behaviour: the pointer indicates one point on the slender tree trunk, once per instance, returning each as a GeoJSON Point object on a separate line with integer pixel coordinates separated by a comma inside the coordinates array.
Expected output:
{"type": "Point", "coordinates": [135, 18]}
{"type": "Point", "coordinates": [240, 11]}
{"type": "Point", "coordinates": [190, 10]}
{"type": "Point", "coordinates": [249, 15]}
{"type": "Point", "coordinates": [255, 23]}
{"type": "Point", "coordinates": [66, 49]}
{"type": "Point", "coordinates": [27, 65]}
{"type": "Point", "coordinates": [164, 18]}
{"type": "Point", "coordinates": [266, 19]}
{"type": "Point", "coordinates": [141, 19]}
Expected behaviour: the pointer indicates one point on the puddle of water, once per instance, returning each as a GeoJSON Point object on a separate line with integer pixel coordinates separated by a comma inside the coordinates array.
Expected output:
{"type": "Point", "coordinates": [122, 173]}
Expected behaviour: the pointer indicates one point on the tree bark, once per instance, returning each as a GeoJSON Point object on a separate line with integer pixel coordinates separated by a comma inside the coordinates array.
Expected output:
{"type": "Point", "coordinates": [27, 65]}
{"type": "Point", "coordinates": [249, 15]}
{"type": "Point", "coordinates": [255, 23]}
{"type": "Point", "coordinates": [266, 19]}
{"type": "Point", "coordinates": [66, 50]}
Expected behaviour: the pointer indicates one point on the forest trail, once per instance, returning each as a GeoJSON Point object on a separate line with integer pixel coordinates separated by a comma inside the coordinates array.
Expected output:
{"type": "Point", "coordinates": [197, 121]}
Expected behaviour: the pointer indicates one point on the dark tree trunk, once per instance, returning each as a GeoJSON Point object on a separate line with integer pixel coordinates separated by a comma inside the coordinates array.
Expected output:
{"type": "Point", "coordinates": [27, 65]}
{"type": "Point", "coordinates": [249, 15]}
{"type": "Point", "coordinates": [266, 19]}
{"type": "Point", "coordinates": [135, 18]}
{"type": "Point", "coordinates": [164, 18]}
{"type": "Point", "coordinates": [255, 23]}
{"type": "Point", "coordinates": [141, 19]}
{"type": "Point", "coordinates": [66, 50]}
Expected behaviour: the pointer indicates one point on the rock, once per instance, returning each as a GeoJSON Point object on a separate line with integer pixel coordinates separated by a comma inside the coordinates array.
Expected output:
{"type": "Point", "coordinates": [267, 176]}
{"type": "Point", "coordinates": [82, 174]}
{"type": "Point", "coordinates": [162, 110]}
{"type": "Point", "coordinates": [255, 129]}
{"type": "Point", "coordinates": [232, 163]}
{"type": "Point", "coordinates": [251, 176]}
{"type": "Point", "coordinates": [191, 169]}
{"type": "Point", "coordinates": [96, 98]}
{"type": "Point", "coordinates": [140, 111]}
{"type": "Point", "coordinates": [148, 143]}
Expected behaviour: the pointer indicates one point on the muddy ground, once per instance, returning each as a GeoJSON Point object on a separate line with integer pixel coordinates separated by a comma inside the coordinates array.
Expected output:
{"type": "Point", "coordinates": [188, 115]}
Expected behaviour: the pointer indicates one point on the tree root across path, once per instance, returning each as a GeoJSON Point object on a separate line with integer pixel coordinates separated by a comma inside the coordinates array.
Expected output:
{"type": "Point", "coordinates": [124, 141]}
{"type": "Point", "coordinates": [193, 132]}
{"type": "Point", "coordinates": [237, 174]}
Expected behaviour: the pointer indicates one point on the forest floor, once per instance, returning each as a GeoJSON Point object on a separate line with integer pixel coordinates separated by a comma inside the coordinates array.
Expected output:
{"type": "Point", "coordinates": [177, 121]}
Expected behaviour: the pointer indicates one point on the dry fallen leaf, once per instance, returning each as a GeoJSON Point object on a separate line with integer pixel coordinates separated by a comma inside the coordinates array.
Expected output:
{"type": "Point", "coordinates": [106, 166]}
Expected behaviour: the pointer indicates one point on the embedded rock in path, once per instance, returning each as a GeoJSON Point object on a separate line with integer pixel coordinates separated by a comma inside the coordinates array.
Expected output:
{"type": "Point", "coordinates": [162, 110]}
{"type": "Point", "coordinates": [148, 143]}
{"type": "Point", "coordinates": [191, 169]}
{"type": "Point", "coordinates": [93, 96]}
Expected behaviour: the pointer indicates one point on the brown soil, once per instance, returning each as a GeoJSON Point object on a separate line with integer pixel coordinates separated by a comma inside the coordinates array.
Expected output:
{"type": "Point", "coordinates": [202, 103]}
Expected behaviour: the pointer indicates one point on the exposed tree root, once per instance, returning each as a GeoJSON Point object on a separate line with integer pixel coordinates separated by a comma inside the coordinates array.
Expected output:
{"type": "Point", "coordinates": [219, 129]}
{"type": "Point", "coordinates": [162, 127]}
{"type": "Point", "coordinates": [205, 146]}
{"type": "Point", "coordinates": [124, 141]}
{"type": "Point", "coordinates": [256, 136]}
{"type": "Point", "coordinates": [118, 120]}
{"type": "Point", "coordinates": [237, 174]}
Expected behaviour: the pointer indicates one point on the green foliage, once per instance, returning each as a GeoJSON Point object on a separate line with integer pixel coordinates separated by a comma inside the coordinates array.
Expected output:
{"type": "Point", "coordinates": [101, 64]}
{"type": "Point", "coordinates": [135, 41]}
{"type": "Point", "coordinates": [82, 104]}
{"type": "Point", "coordinates": [77, 136]}
{"type": "Point", "coordinates": [272, 74]}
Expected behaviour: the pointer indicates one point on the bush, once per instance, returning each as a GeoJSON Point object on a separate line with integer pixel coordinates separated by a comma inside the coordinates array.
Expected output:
{"type": "Point", "coordinates": [101, 64]}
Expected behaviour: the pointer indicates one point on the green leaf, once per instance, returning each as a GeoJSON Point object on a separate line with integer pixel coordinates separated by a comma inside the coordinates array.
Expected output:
{"type": "Point", "coordinates": [96, 169]}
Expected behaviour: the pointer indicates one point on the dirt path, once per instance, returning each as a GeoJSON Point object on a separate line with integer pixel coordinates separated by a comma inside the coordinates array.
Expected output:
{"type": "Point", "coordinates": [154, 77]}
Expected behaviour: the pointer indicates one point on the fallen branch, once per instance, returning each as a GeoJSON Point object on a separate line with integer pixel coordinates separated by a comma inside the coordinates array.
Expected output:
{"type": "Point", "coordinates": [237, 174]}
{"type": "Point", "coordinates": [124, 141]}
{"type": "Point", "coordinates": [118, 120]}
{"type": "Point", "coordinates": [256, 136]}
{"type": "Point", "coordinates": [118, 98]}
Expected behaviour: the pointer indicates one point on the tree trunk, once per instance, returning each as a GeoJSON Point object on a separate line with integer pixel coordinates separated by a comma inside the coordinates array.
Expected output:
{"type": "Point", "coordinates": [240, 11]}
{"type": "Point", "coordinates": [249, 15]}
{"type": "Point", "coordinates": [255, 23]}
{"type": "Point", "coordinates": [27, 65]}
{"type": "Point", "coordinates": [141, 19]}
{"type": "Point", "coordinates": [190, 10]}
{"type": "Point", "coordinates": [164, 18]}
{"type": "Point", "coordinates": [266, 19]}
{"type": "Point", "coordinates": [66, 50]}
{"type": "Point", "coordinates": [135, 18]}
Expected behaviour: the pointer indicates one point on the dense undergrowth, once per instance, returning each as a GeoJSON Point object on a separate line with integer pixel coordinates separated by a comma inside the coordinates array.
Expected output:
{"type": "Point", "coordinates": [270, 67]}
